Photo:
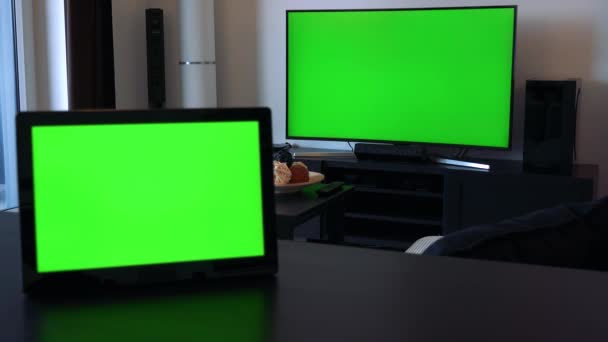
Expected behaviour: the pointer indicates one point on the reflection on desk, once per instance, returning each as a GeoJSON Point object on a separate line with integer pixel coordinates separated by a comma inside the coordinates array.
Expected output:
{"type": "Point", "coordinates": [215, 315]}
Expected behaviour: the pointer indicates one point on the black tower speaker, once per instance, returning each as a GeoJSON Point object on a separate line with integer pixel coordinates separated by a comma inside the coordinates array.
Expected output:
{"type": "Point", "coordinates": [550, 126]}
{"type": "Point", "coordinates": [155, 45]}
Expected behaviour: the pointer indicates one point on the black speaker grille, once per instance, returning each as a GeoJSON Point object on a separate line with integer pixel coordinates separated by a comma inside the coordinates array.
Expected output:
{"type": "Point", "coordinates": [550, 126]}
{"type": "Point", "coordinates": [155, 57]}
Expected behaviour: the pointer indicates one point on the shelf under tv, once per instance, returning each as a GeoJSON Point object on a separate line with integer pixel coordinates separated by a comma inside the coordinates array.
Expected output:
{"type": "Point", "coordinates": [375, 190]}
{"type": "Point", "coordinates": [395, 219]}
{"type": "Point", "coordinates": [393, 201]}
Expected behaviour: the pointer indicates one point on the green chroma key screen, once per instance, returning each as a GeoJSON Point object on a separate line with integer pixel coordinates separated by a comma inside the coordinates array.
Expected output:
{"type": "Point", "coordinates": [117, 195]}
{"type": "Point", "coordinates": [427, 75]}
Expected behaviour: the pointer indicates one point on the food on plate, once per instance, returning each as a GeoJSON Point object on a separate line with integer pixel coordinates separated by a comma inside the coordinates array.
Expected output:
{"type": "Point", "coordinates": [282, 173]}
{"type": "Point", "coordinates": [299, 173]}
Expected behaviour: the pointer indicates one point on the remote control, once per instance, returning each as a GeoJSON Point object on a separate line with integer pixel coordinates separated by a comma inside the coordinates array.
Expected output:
{"type": "Point", "coordinates": [330, 189]}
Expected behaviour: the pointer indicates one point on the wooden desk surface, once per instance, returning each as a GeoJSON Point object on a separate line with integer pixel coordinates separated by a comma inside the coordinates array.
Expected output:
{"type": "Point", "coordinates": [326, 293]}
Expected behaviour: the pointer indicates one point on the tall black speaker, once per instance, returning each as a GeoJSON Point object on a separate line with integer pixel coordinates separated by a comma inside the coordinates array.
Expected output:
{"type": "Point", "coordinates": [155, 45]}
{"type": "Point", "coordinates": [550, 126]}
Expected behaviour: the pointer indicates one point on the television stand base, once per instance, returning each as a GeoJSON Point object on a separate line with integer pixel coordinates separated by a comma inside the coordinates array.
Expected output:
{"type": "Point", "coordinates": [456, 162]}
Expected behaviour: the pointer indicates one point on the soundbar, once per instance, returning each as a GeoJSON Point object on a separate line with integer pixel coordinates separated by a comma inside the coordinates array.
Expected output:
{"type": "Point", "coordinates": [412, 153]}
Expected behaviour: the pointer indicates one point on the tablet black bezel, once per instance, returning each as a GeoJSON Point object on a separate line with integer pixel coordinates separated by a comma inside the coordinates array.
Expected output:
{"type": "Point", "coordinates": [137, 275]}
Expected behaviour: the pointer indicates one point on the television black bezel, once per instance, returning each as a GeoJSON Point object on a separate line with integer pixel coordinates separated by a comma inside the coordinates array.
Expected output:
{"type": "Point", "coordinates": [399, 142]}
{"type": "Point", "coordinates": [34, 282]}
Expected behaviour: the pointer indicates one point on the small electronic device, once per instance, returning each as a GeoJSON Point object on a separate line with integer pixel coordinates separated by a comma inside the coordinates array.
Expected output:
{"type": "Point", "coordinates": [134, 197]}
{"type": "Point", "coordinates": [330, 189]}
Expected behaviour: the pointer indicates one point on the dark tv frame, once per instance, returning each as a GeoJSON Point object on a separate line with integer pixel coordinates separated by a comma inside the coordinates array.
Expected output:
{"type": "Point", "coordinates": [120, 277]}
{"type": "Point", "coordinates": [396, 142]}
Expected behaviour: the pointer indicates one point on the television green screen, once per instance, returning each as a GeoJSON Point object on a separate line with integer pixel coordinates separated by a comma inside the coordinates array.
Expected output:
{"type": "Point", "coordinates": [437, 75]}
{"type": "Point", "coordinates": [116, 195]}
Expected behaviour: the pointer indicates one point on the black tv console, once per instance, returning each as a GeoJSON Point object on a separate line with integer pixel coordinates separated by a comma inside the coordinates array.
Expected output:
{"type": "Point", "coordinates": [395, 202]}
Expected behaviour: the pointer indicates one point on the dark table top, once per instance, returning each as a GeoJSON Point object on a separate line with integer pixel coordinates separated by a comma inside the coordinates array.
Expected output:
{"type": "Point", "coordinates": [306, 202]}
{"type": "Point", "coordinates": [325, 293]}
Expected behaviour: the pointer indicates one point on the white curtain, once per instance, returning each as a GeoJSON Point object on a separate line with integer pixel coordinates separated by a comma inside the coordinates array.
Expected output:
{"type": "Point", "coordinates": [8, 106]}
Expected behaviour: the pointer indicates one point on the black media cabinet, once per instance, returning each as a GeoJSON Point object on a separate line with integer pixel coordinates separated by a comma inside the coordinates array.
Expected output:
{"type": "Point", "coordinates": [394, 203]}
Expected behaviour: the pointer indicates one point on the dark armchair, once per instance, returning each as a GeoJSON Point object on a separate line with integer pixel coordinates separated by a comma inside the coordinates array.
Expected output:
{"type": "Point", "coordinates": [572, 235]}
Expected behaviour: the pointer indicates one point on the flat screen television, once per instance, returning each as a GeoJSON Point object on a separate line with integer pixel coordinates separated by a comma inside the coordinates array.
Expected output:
{"type": "Point", "coordinates": [132, 197]}
{"type": "Point", "coordinates": [422, 75]}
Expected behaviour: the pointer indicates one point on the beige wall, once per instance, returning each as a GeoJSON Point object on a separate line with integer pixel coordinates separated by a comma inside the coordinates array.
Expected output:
{"type": "Point", "coordinates": [556, 39]}
{"type": "Point", "coordinates": [237, 52]}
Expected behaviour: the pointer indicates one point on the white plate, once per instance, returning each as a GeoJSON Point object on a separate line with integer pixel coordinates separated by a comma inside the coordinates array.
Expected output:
{"type": "Point", "coordinates": [313, 178]}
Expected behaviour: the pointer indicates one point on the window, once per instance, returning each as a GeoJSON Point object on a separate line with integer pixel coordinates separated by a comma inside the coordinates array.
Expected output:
{"type": "Point", "coordinates": [8, 107]}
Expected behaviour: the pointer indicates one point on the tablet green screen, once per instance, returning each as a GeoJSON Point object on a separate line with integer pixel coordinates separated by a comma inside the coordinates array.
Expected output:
{"type": "Point", "coordinates": [118, 195]}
